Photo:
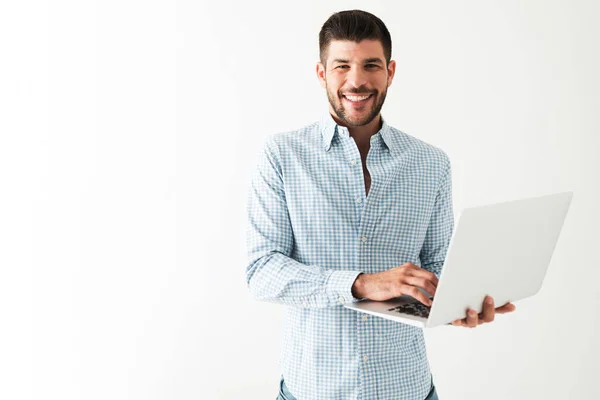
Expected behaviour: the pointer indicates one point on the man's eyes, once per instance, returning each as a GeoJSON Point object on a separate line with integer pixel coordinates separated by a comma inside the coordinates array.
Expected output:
{"type": "Point", "coordinates": [368, 66]}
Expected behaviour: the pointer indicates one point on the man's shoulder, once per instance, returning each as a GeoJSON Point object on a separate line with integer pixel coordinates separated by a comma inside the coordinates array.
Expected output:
{"type": "Point", "coordinates": [295, 133]}
{"type": "Point", "coordinates": [422, 149]}
{"type": "Point", "coordinates": [293, 138]}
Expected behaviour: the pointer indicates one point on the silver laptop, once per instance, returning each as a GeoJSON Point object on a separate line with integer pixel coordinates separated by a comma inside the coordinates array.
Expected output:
{"type": "Point", "coordinates": [501, 249]}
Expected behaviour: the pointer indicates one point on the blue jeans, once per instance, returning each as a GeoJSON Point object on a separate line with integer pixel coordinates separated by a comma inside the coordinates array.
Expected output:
{"type": "Point", "coordinates": [284, 393]}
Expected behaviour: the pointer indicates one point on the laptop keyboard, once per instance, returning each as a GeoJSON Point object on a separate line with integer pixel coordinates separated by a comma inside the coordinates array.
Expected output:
{"type": "Point", "coordinates": [417, 309]}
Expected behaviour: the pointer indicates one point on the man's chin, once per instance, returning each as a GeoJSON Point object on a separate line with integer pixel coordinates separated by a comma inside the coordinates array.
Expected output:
{"type": "Point", "coordinates": [360, 121]}
{"type": "Point", "coordinates": [353, 121]}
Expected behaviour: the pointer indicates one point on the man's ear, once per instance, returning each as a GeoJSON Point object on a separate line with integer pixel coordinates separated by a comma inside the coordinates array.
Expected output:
{"type": "Point", "coordinates": [391, 72]}
{"type": "Point", "coordinates": [321, 74]}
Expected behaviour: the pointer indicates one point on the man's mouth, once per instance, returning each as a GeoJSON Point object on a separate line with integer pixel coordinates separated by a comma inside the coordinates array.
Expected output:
{"type": "Point", "coordinates": [357, 99]}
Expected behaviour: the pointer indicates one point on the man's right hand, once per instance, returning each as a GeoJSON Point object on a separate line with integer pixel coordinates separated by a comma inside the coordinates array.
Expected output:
{"type": "Point", "coordinates": [395, 282]}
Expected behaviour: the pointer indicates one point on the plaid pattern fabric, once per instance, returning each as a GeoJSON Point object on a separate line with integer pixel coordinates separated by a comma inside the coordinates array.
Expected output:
{"type": "Point", "coordinates": [312, 229]}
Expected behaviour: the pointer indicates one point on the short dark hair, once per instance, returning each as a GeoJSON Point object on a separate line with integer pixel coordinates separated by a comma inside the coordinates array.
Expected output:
{"type": "Point", "coordinates": [354, 25]}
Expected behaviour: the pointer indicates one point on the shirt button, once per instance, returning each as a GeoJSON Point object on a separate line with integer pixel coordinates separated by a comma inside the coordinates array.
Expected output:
{"type": "Point", "coordinates": [305, 304]}
{"type": "Point", "coordinates": [353, 162]}
{"type": "Point", "coordinates": [364, 318]}
{"type": "Point", "coordinates": [358, 200]}
{"type": "Point", "coordinates": [342, 300]}
{"type": "Point", "coordinates": [364, 239]}
{"type": "Point", "coordinates": [366, 358]}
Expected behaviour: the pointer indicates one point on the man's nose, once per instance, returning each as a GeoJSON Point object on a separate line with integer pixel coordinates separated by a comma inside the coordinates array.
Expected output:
{"type": "Point", "coordinates": [356, 77]}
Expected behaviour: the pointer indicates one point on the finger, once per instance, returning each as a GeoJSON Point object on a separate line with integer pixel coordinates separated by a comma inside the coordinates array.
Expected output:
{"type": "Point", "coordinates": [472, 318]}
{"type": "Point", "coordinates": [422, 283]}
{"type": "Point", "coordinates": [461, 322]}
{"type": "Point", "coordinates": [423, 273]}
{"type": "Point", "coordinates": [508, 307]}
{"type": "Point", "coordinates": [416, 293]}
{"type": "Point", "coordinates": [488, 309]}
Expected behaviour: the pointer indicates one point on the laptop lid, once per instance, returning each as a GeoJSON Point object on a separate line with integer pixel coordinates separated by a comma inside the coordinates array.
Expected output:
{"type": "Point", "coordinates": [503, 250]}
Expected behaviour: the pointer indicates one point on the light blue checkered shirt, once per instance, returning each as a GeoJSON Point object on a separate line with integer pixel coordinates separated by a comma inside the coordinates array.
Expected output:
{"type": "Point", "coordinates": [312, 229]}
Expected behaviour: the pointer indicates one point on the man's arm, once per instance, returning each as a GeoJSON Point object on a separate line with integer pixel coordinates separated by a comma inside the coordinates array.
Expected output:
{"type": "Point", "coordinates": [271, 274]}
{"type": "Point", "coordinates": [441, 225]}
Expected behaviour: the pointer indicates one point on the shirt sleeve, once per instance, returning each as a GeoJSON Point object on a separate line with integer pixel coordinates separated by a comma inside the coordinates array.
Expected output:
{"type": "Point", "coordinates": [271, 274]}
{"type": "Point", "coordinates": [441, 226]}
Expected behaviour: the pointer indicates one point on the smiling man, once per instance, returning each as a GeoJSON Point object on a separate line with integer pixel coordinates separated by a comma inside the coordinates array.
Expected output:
{"type": "Point", "coordinates": [350, 208]}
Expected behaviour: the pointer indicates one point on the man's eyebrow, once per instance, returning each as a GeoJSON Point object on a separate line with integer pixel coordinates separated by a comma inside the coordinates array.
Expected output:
{"type": "Point", "coordinates": [367, 60]}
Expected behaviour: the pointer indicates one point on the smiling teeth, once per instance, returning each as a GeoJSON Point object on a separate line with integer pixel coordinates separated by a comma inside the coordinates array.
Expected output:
{"type": "Point", "coordinates": [357, 98]}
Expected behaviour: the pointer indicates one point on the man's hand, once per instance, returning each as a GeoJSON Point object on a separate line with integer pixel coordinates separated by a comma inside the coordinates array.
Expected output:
{"type": "Point", "coordinates": [473, 319]}
{"type": "Point", "coordinates": [395, 282]}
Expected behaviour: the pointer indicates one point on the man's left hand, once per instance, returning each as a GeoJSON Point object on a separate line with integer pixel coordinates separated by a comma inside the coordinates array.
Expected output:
{"type": "Point", "coordinates": [473, 319]}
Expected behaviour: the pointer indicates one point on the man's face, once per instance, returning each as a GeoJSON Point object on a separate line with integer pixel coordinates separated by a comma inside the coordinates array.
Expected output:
{"type": "Point", "coordinates": [356, 79]}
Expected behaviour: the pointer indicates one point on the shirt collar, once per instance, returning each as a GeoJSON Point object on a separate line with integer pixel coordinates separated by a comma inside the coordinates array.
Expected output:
{"type": "Point", "coordinates": [391, 138]}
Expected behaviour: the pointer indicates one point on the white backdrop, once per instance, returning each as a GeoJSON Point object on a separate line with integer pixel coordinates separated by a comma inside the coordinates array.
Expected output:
{"type": "Point", "coordinates": [128, 133]}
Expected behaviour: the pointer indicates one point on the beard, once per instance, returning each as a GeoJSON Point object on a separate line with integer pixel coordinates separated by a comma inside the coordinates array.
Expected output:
{"type": "Point", "coordinates": [336, 102]}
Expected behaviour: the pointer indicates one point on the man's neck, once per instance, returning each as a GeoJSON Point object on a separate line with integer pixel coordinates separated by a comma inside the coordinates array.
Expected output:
{"type": "Point", "coordinates": [362, 134]}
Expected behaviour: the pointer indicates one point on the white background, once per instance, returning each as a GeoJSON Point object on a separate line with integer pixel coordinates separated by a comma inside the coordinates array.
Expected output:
{"type": "Point", "coordinates": [128, 133]}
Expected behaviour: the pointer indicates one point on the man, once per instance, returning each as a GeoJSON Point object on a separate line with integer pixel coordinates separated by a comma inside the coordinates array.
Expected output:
{"type": "Point", "coordinates": [322, 231]}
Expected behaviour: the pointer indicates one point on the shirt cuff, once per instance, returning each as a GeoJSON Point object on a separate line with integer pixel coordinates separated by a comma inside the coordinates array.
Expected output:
{"type": "Point", "coordinates": [339, 286]}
